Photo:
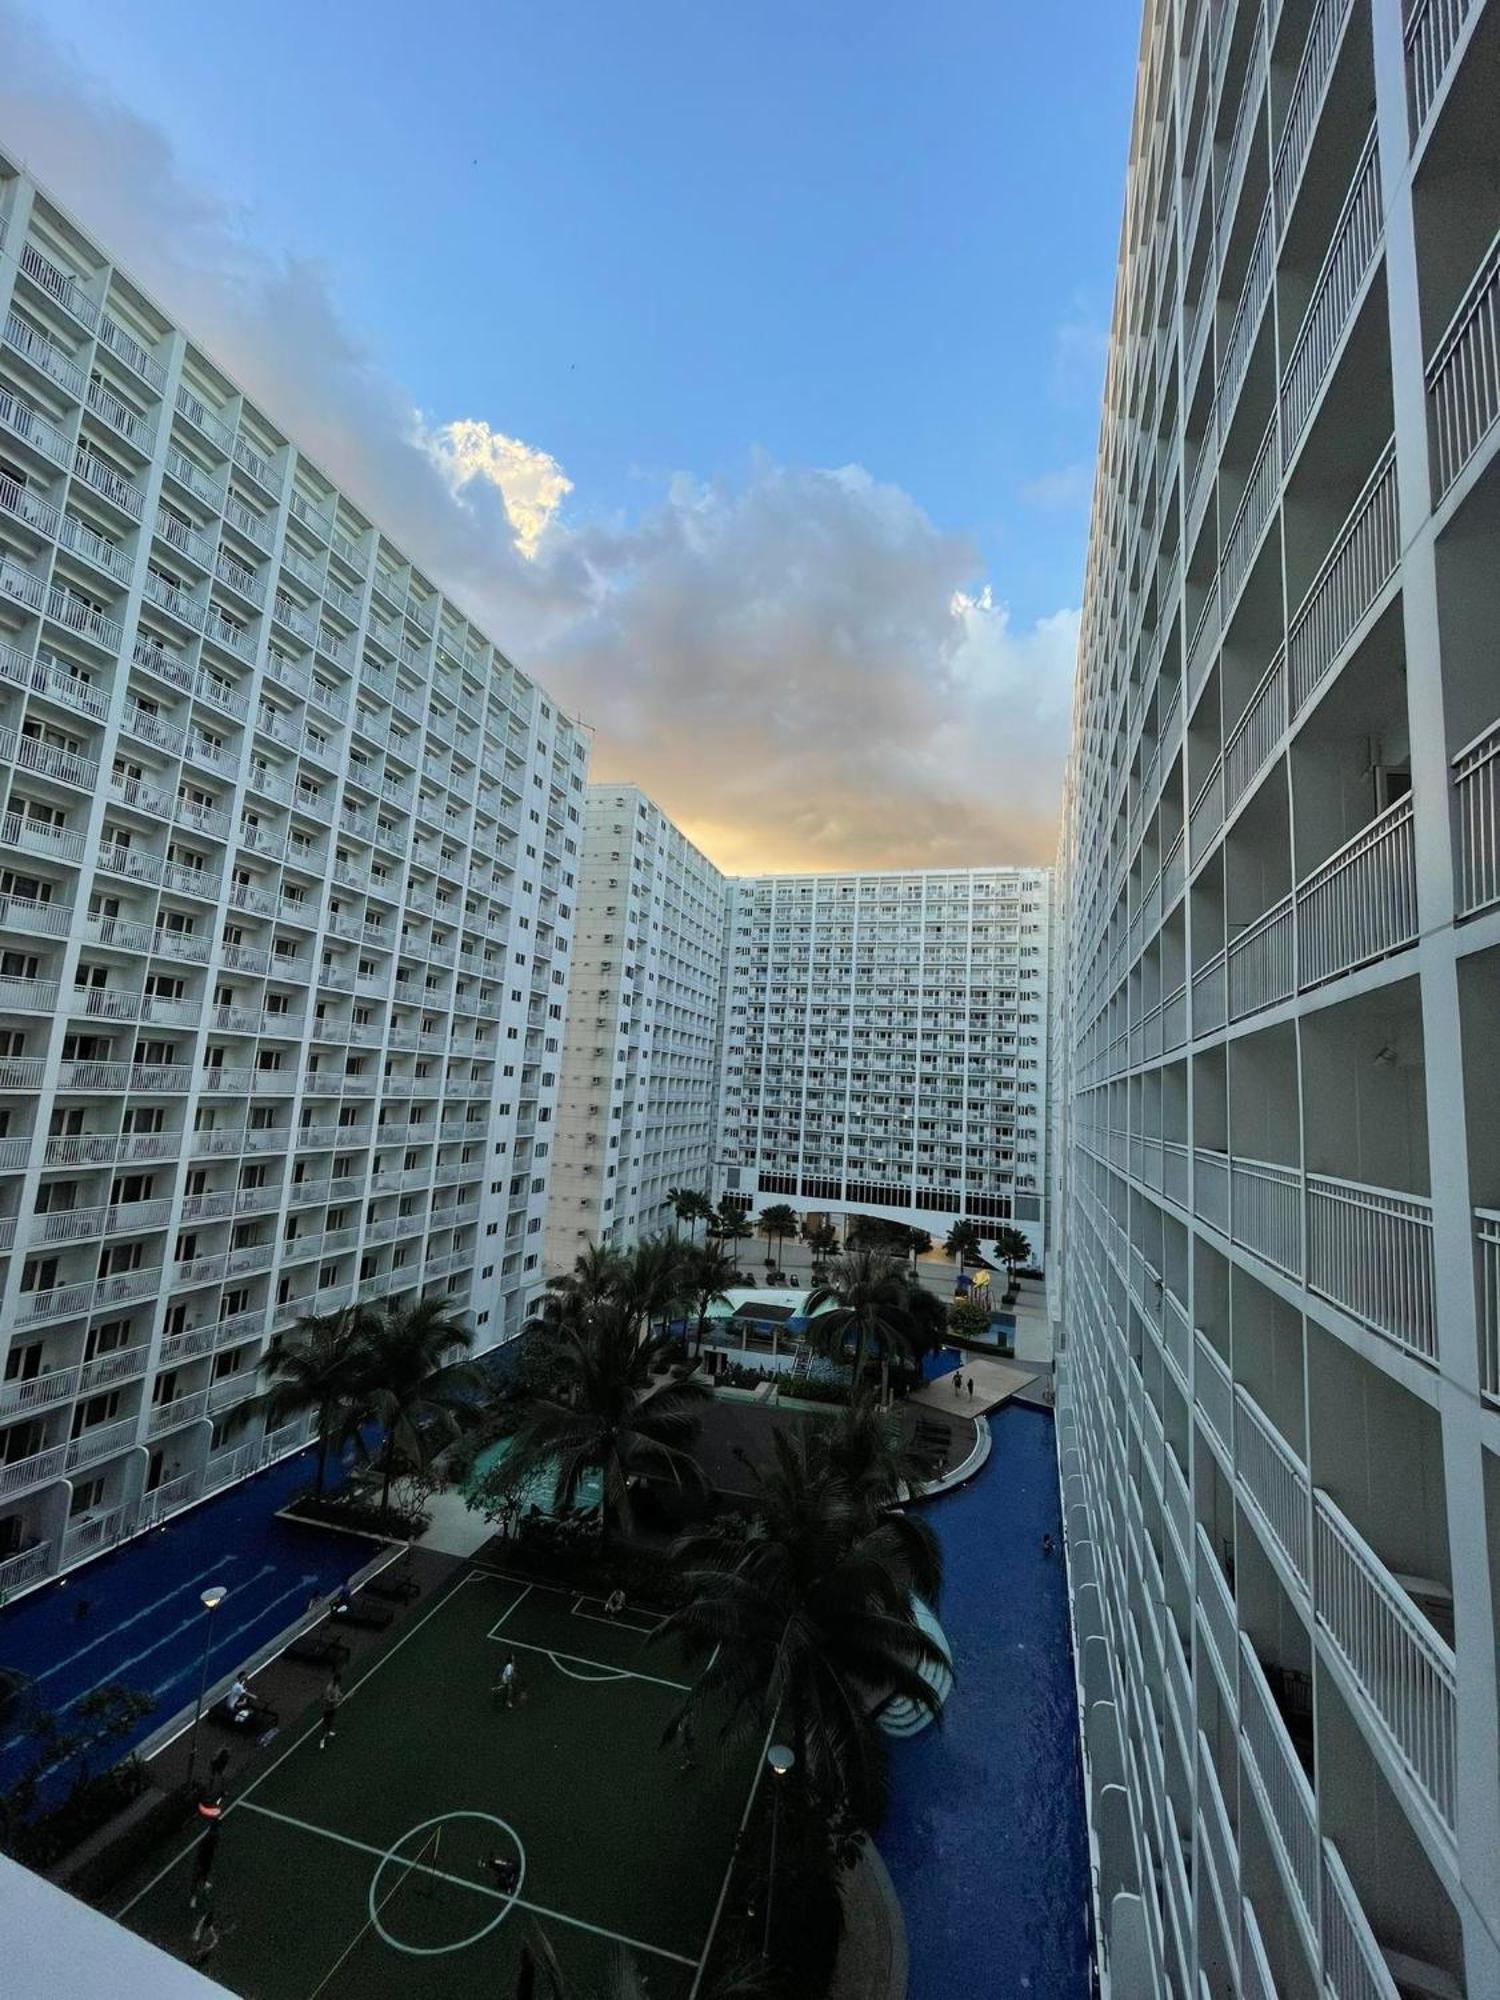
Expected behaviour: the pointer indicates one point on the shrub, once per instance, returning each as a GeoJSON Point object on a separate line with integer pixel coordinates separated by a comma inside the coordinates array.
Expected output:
{"type": "Point", "coordinates": [92, 1803]}
{"type": "Point", "coordinates": [116, 1859]}
{"type": "Point", "coordinates": [362, 1516]}
{"type": "Point", "coordinates": [969, 1319]}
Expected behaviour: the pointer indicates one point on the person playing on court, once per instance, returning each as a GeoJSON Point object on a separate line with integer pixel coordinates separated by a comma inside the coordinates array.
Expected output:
{"type": "Point", "coordinates": [333, 1694]}
{"type": "Point", "coordinates": [238, 1696]}
{"type": "Point", "coordinates": [505, 1687]}
{"type": "Point", "coordinates": [614, 1604]}
{"type": "Point", "coordinates": [506, 1871]}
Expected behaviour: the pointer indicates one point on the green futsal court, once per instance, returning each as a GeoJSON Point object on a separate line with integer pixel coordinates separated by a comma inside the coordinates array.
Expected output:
{"type": "Point", "coordinates": [364, 1870]}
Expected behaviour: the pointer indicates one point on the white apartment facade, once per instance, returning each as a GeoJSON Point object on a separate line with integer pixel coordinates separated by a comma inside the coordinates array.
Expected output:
{"type": "Point", "coordinates": [1279, 1388]}
{"type": "Point", "coordinates": [885, 1046]}
{"type": "Point", "coordinates": [285, 903]}
{"type": "Point", "coordinates": [635, 1113]}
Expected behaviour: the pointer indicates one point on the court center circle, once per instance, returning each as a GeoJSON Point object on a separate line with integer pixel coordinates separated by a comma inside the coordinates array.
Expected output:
{"type": "Point", "coordinates": [394, 1857]}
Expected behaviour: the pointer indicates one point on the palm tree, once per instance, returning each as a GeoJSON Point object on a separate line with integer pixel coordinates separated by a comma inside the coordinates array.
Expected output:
{"type": "Point", "coordinates": [864, 1448]}
{"type": "Point", "coordinates": [823, 1241]}
{"type": "Point", "coordinates": [928, 1318]}
{"type": "Point", "coordinates": [316, 1367]}
{"type": "Point", "coordinates": [870, 1299]}
{"type": "Point", "coordinates": [776, 1224]}
{"type": "Point", "coordinates": [709, 1273]}
{"type": "Point", "coordinates": [610, 1415]}
{"type": "Point", "coordinates": [963, 1242]}
{"type": "Point", "coordinates": [808, 1623]}
{"type": "Point", "coordinates": [1013, 1248]}
{"type": "Point", "coordinates": [407, 1379]}
{"type": "Point", "coordinates": [690, 1206]}
{"type": "Point", "coordinates": [651, 1281]}
{"type": "Point", "coordinates": [730, 1226]}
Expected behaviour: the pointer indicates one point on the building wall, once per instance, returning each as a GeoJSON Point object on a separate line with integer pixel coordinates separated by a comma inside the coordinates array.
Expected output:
{"type": "Point", "coordinates": [285, 907]}
{"type": "Point", "coordinates": [885, 1045]}
{"type": "Point", "coordinates": [639, 1076]}
{"type": "Point", "coordinates": [1279, 1393]}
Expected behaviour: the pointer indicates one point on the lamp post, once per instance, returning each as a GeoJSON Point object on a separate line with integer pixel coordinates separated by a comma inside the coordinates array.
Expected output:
{"type": "Point", "coordinates": [781, 1760]}
{"type": "Point", "coordinates": [211, 1599]}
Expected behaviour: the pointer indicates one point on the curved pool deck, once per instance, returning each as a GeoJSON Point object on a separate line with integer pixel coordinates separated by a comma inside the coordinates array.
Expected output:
{"type": "Point", "coordinates": [985, 1838]}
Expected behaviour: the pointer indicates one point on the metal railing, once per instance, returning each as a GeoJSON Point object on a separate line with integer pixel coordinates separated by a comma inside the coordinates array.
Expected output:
{"type": "Point", "coordinates": [1260, 962]}
{"type": "Point", "coordinates": [1257, 732]}
{"type": "Point", "coordinates": [1487, 1273]}
{"type": "Point", "coordinates": [1353, 574]}
{"type": "Point", "coordinates": [1361, 903]}
{"type": "Point", "coordinates": [1463, 377]}
{"type": "Point", "coordinates": [1218, 1609]}
{"type": "Point", "coordinates": [1432, 34]}
{"type": "Point", "coordinates": [1407, 1671]}
{"type": "Point", "coordinates": [1286, 1795]}
{"type": "Point", "coordinates": [1257, 505]}
{"type": "Point", "coordinates": [1277, 1481]}
{"type": "Point", "coordinates": [1476, 790]}
{"type": "Point", "coordinates": [1351, 252]}
{"type": "Point", "coordinates": [1370, 1251]}
{"type": "Point", "coordinates": [1265, 1211]}
{"type": "Point", "coordinates": [1306, 100]}
{"type": "Point", "coordinates": [1354, 1966]}
{"type": "Point", "coordinates": [1256, 1982]}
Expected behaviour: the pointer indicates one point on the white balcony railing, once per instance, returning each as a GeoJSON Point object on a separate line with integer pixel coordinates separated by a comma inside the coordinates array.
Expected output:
{"type": "Point", "coordinates": [1351, 252]}
{"type": "Point", "coordinates": [1352, 576]}
{"type": "Point", "coordinates": [1211, 1187]}
{"type": "Point", "coordinates": [1218, 1610]}
{"type": "Point", "coordinates": [1222, 1850]}
{"type": "Point", "coordinates": [1432, 32]}
{"type": "Point", "coordinates": [1354, 1966]}
{"type": "Point", "coordinates": [1306, 100]}
{"type": "Point", "coordinates": [1463, 377]}
{"type": "Point", "coordinates": [1487, 1273]}
{"type": "Point", "coordinates": [1261, 962]}
{"type": "Point", "coordinates": [1256, 1982]}
{"type": "Point", "coordinates": [1213, 1391]}
{"type": "Point", "coordinates": [1370, 1251]}
{"type": "Point", "coordinates": [1405, 1668]}
{"type": "Point", "coordinates": [1265, 1210]}
{"type": "Point", "coordinates": [1476, 789]}
{"type": "Point", "coordinates": [1257, 504]}
{"type": "Point", "coordinates": [1361, 903]}
{"type": "Point", "coordinates": [1282, 1783]}
{"type": "Point", "coordinates": [1256, 733]}
{"type": "Point", "coordinates": [1277, 1482]}
{"type": "Point", "coordinates": [104, 1441]}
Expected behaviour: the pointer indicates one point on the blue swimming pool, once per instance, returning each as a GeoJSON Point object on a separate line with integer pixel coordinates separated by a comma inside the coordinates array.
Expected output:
{"type": "Point", "coordinates": [143, 1624]}
{"type": "Point", "coordinates": [985, 1836]}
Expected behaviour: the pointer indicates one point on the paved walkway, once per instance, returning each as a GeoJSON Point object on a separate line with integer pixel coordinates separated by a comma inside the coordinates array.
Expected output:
{"type": "Point", "coordinates": [995, 1382]}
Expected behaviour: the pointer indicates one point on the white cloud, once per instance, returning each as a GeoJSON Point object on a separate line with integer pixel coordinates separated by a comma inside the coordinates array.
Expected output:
{"type": "Point", "coordinates": [1062, 490]}
{"type": "Point", "coordinates": [530, 482]}
{"type": "Point", "coordinates": [796, 662]}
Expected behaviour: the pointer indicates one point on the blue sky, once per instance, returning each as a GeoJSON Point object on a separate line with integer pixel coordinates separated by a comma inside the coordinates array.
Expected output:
{"type": "Point", "coordinates": [679, 250]}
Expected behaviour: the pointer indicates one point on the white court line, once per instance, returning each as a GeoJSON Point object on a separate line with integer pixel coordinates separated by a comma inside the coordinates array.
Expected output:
{"type": "Point", "coordinates": [602, 1669]}
{"type": "Point", "coordinates": [446, 1597]}
{"type": "Point", "coordinates": [479, 1888]}
{"type": "Point", "coordinates": [508, 1610]}
{"type": "Point", "coordinates": [734, 1855]}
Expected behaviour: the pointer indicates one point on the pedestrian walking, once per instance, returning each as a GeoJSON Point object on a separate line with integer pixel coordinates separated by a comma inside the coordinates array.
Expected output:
{"type": "Point", "coordinates": [971, 1388]}
{"type": "Point", "coordinates": [333, 1694]}
{"type": "Point", "coordinates": [958, 1383]}
{"type": "Point", "coordinates": [506, 1871]}
{"type": "Point", "coordinates": [203, 1867]}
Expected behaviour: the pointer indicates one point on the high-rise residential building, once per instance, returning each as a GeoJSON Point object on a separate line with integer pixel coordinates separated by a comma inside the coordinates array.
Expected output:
{"type": "Point", "coordinates": [885, 1045]}
{"type": "Point", "coordinates": [635, 1114]}
{"type": "Point", "coordinates": [1279, 1402]}
{"type": "Point", "coordinates": [285, 902]}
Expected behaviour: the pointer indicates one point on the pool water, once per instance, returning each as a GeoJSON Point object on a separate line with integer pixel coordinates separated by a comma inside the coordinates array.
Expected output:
{"type": "Point", "coordinates": [144, 1625]}
{"type": "Point", "coordinates": [985, 1837]}
{"type": "Point", "coordinates": [540, 1491]}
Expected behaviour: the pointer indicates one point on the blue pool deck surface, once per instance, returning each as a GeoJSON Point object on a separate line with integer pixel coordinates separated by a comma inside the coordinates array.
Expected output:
{"type": "Point", "coordinates": [144, 1625]}
{"type": "Point", "coordinates": [984, 1837]}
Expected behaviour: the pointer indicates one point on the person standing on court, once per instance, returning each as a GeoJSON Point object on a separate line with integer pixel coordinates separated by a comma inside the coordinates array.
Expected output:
{"type": "Point", "coordinates": [333, 1694]}
{"type": "Point", "coordinates": [506, 1685]}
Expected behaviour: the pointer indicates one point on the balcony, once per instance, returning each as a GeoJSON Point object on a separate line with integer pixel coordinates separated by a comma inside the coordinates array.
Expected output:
{"type": "Point", "coordinates": [104, 1441]}
{"type": "Point", "coordinates": [1432, 31]}
{"type": "Point", "coordinates": [1476, 790]}
{"type": "Point", "coordinates": [1463, 377]}
{"type": "Point", "coordinates": [181, 1410]}
{"type": "Point", "coordinates": [1217, 1606]}
{"type": "Point", "coordinates": [1405, 1670]}
{"type": "Point", "coordinates": [1353, 1963]}
{"type": "Point", "coordinates": [1351, 254]}
{"type": "Point", "coordinates": [1487, 1267]}
{"type": "Point", "coordinates": [1370, 1251]}
{"type": "Point", "coordinates": [118, 1365]}
{"type": "Point", "coordinates": [46, 356]}
{"type": "Point", "coordinates": [1265, 1208]}
{"type": "Point", "coordinates": [108, 484]}
{"type": "Point", "coordinates": [23, 422]}
{"type": "Point", "coordinates": [53, 1385]}
{"type": "Point", "coordinates": [28, 1567]}
{"type": "Point", "coordinates": [1361, 903]}
{"type": "Point", "coordinates": [1286, 1797]}
{"type": "Point", "coordinates": [1356, 569]}
{"type": "Point", "coordinates": [1277, 1482]}
{"type": "Point", "coordinates": [23, 1473]}
{"type": "Point", "coordinates": [1306, 101]}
